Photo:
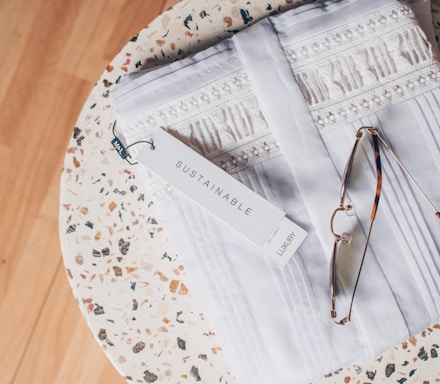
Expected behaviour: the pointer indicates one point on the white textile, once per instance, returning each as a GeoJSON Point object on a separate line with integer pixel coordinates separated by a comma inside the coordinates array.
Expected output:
{"type": "Point", "coordinates": [277, 107]}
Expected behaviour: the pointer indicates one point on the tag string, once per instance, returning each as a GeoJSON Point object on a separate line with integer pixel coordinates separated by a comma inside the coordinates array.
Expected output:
{"type": "Point", "coordinates": [122, 150]}
{"type": "Point", "coordinates": [152, 146]}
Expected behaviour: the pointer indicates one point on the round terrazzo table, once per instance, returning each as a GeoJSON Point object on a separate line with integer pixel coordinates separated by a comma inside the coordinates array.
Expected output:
{"type": "Point", "coordinates": [128, 281]}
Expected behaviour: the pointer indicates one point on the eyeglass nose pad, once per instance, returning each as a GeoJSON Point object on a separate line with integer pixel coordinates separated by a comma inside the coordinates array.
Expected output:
{"type": "Point", "coordinates": [346, 239]}
{"type": "Point", "coordinates": [349, 209]}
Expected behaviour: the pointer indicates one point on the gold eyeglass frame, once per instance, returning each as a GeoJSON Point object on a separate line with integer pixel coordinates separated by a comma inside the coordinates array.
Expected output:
{"type": "Point", "coordinates": [343, 207]}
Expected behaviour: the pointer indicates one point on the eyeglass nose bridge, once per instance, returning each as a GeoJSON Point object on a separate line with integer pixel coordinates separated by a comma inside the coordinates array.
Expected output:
{"type": "Point", "coordinates": [345, 238]}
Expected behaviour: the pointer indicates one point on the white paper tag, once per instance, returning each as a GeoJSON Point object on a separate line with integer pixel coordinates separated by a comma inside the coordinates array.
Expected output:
{"type": "Point", "coordinates": [225, 197]}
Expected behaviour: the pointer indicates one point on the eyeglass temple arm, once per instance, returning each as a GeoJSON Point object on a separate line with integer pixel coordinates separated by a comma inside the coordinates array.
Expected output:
{"type": "Point", "coordinates": [404, 169]}
{"type": "Point", "coordinates": [378, 176]}
{"type": "Point", "coordinates": [348, 168]}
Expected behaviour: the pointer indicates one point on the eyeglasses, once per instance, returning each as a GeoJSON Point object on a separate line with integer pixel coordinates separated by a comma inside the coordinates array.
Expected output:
{"type": "Point", "coordinates": [345, 238]}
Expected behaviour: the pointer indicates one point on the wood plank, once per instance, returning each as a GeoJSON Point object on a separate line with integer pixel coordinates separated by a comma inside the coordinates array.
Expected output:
{"type": "Point", "coordinates": [168, 4]}
{"type": "Point", "coordinates": [53, 53]}
{"type": "Point", "coordinates": [141, 13]}
{"type": "Point", "coordinates": [35, 154]}
{"type": "Point", "coordinates": [27, 289]}
{"type": "Point", "coordinates": [16, 23]}
{"type": "Point", "coordinates": [85, 362]}
{"type": "Point", "coordinates": [82, 53]}
{"type": "Point", "coordinates": [70, 353]}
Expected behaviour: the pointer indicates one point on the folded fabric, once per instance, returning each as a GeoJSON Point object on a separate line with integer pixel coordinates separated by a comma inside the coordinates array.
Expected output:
{"type": "Point", "coordinates": [277, 106]}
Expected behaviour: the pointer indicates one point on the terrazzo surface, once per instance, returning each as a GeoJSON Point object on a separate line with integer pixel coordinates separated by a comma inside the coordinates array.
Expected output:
{"type": "Point", "coordinates": [127, 279]}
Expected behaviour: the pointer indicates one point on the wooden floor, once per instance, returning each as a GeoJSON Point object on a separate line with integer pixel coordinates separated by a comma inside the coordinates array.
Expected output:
{"type": "Point", "coordinates": [52, 53]}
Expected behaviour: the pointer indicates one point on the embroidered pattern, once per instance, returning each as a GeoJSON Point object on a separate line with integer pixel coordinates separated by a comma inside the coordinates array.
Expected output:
{"type": "Point", "coordinates": [222, 121]}
{"type": "Point", "coordinates": [363, 66]}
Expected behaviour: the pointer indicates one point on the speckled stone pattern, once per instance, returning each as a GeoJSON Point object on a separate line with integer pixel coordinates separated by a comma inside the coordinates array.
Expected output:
{"type": "Point", "coordinates": [127, 279]}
